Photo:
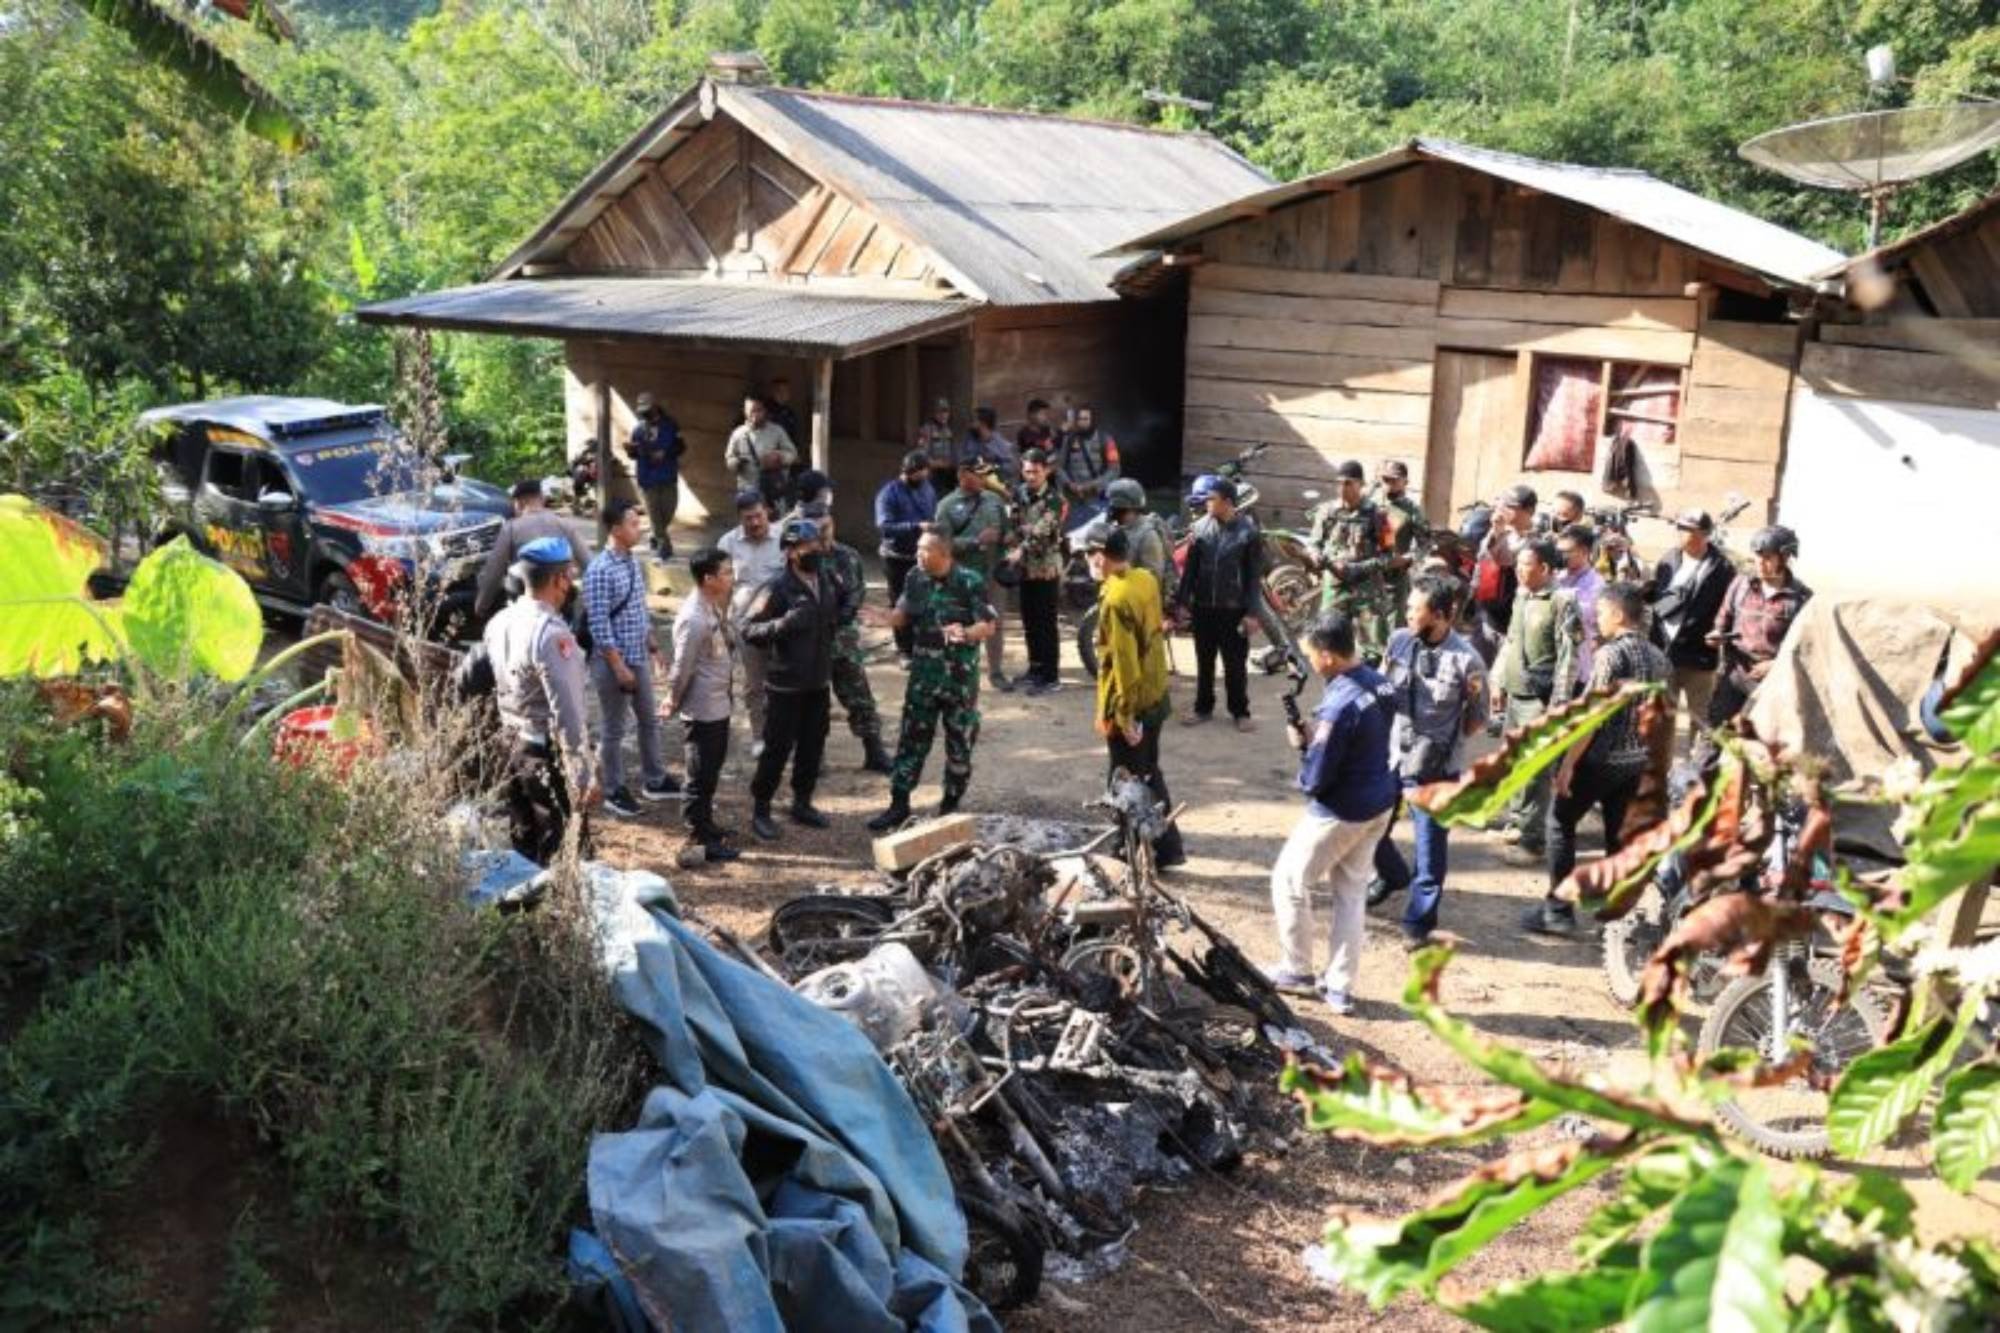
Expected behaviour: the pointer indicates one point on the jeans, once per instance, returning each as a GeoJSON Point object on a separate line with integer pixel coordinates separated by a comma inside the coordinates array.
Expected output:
{"type": "Point", "coordinates": [614, 703]}
{"type": "Point", "coordinates": [1431, 842]}
{"type": "Point", "coordinates": [1219, 630]}
{"type": "Point", "coordinates": [704, 748]}
{"type": "Point", "coordinates": [1038, 627]}
{"type": "Point", "coordinates": [1588, 786]}
{"type": "Point", "coordinates": [1336, 853]}
{"type": "Point", "coordinates": [897, 568]}
{"type": "Point", "coordinates": [1142, 761]}
{"type": "Point", "coordinates": [795, 726]}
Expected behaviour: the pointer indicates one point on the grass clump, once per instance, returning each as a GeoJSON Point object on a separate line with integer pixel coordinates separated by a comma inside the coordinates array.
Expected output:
{"type": "Point", "coordinates": [189, 923]}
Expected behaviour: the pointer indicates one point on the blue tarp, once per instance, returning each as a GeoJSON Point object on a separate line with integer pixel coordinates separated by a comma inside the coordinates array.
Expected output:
{"type": "Point", "coordinates": [780, 1178]}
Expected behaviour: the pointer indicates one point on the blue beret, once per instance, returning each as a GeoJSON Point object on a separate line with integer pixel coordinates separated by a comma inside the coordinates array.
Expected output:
{"type": "Point", "coordinates": [547, 551]}
{"type": "Point", "coordinates": [799, 532]}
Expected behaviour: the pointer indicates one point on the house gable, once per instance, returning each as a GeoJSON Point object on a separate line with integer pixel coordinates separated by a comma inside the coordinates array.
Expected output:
{"type": "Point", "coordinates": [723, 202]}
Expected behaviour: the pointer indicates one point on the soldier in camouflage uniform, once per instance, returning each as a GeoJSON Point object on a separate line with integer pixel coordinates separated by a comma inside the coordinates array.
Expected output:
{"type": "Point", "coordinates": [850, 675]}
{"type": "Point", "coordinates": [945, 603]}
{"type": "Point", "coordinates": [1351, 538]}
{"type": "Point", "coordinates": [974, 520]}
{"type": "Point", "coordinates": [1409, 531]}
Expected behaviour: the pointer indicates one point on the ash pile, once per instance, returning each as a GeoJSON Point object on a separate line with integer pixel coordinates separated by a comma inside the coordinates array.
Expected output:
{"type": "Point", "coordinates": [1071, 1029]}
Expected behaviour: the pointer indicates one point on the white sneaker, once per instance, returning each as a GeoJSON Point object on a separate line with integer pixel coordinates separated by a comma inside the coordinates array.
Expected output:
{"type": "Point", "coordinates": [756, 749]}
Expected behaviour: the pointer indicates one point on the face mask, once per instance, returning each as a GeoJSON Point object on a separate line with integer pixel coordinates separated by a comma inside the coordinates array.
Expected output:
{"type": "Point", "coordinates": [809, 562]}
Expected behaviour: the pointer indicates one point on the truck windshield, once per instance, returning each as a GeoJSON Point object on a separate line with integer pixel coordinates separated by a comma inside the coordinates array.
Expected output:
{"type": "Point", "coordinates": [342, 473]}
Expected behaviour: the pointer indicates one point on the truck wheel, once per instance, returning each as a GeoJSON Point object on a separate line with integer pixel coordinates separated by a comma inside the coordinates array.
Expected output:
{"type": "Point", "coordinates": [338, 591]}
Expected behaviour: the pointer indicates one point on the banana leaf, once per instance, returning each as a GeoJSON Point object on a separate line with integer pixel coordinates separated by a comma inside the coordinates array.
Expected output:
{"type": "Point", "coordinates": [160, 32]}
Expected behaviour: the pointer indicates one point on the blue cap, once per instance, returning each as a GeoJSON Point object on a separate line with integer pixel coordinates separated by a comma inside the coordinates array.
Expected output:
{"type": "Point", "coordinates": [798, 532]}
{"type": "Point", "coordinates": [547, 551]}
{"type": "Point", "coordinates": [1208, 484]}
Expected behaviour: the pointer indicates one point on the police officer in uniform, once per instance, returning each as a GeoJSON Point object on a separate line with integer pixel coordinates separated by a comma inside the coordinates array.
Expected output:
{"type": "Point", "coordinates": [946, 605]}
{"type": "Point", "coordinates": [850, 675]}
{"type": "Point", "coordinates": [539, 687]}
{"type": "Point", "coordinates": [1351, 537]}
{"type": "Point", "coordinates": [1409, 532]}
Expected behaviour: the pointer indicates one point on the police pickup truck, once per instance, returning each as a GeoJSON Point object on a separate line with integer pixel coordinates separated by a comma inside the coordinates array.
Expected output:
{"type": "Point", "coordinates": [316, 501]}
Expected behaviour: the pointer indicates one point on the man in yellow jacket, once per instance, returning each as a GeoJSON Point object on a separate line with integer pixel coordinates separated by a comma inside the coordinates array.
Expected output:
{"type": "Point", "coordinates": [1132, 701]}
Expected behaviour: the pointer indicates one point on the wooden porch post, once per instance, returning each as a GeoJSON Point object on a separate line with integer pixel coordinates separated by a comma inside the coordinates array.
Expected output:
{"type": "Point", "coordinates": [822, 412]}
{"type": "Point", "coordinates": [603, 450]}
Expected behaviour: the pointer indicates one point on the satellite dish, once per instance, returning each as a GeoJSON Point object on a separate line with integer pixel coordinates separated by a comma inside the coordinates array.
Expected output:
{"type": "Point", "coordinates": [1874, 153]}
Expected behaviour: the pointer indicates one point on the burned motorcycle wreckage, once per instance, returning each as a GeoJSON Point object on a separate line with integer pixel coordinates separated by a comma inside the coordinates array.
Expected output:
{"type": "Point", "coordinates": [1071, 1029]}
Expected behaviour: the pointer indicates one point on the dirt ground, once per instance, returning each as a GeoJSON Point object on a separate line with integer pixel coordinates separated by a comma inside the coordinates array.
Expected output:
{"type": "Point", "coordinates": [1224, 1251]}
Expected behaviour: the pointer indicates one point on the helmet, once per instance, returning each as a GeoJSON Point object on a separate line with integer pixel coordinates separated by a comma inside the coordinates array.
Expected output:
{"type": "Point", "coordinates": [1776, 539]}
{"type": "Point", "coordinates": [1126, 493]}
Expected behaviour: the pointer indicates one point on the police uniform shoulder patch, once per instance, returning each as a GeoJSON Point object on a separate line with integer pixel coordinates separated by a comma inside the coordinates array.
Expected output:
{"type": "Point", "coordinates": [566, 645]}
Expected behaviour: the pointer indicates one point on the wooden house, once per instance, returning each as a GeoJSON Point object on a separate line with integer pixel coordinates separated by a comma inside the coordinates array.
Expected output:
{"type": "Point", "coordinates": [1892, 471]}
{"type": "Point", "coordinates": [877, 254]}
{"type": "Point", "coordinates": [1488, 318]}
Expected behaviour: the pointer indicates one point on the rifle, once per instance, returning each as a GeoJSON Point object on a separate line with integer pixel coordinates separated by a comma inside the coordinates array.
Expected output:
{"type": "Point", "coordinates": [1294, 722]}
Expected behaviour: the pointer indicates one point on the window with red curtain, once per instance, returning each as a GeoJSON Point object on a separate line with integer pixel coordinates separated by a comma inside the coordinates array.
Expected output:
{"type": "Point", "coordinates": [1562, 428]}
{"type": "Point", "coordinates": [1577, 401]}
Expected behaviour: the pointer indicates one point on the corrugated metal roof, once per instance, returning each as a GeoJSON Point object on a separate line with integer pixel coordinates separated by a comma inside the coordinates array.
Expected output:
{"type": "Point", "coordinates": [780, 320]}
{"type": "Point", "coordinates": [1021, 206]}
{"type": "Point", "coordinates": [1631, 196]}
{"type": "Point", "coordinates": [1894, 252]}
{"type": "Point", "coordinates": [1016, 207]}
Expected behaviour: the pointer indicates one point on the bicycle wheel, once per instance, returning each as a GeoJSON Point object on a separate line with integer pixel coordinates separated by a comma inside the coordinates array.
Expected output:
{"type": "Point", "coordinates": [820, 929]}
{"type": "Point", "coordinates": [1630, 941]}
{"type": "Point", "coordinates": [1789, 1120]}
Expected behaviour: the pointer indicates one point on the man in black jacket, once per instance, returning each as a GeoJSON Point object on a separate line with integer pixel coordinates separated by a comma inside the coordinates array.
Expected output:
{"type": "Point", "coordinates": [793, 619]}
{"type": "Point", "coordinates": [1219, 588]}
{"type": "Point", "coordinates": [1686, 595]}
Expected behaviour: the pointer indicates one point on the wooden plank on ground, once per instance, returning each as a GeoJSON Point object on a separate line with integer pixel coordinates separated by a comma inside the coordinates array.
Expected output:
{"type": "Point", "coordinates": [1663, 347]}
{"type": "Point", "coordinates": [1293, 282]}
{"type": "Point", "coordinates": [1306, 368]}
{"type": "Point", "coordinates": [1281, 336]}
{"type": "Point", "coordinates": [1313, 309]}
{"type": "Point", "coordinates": [900, 851]}
{"type": "Point", "coordinates": [1396, 409]}
{"type": "Point", "coordinates": [1910, 377]}
{"type": "Point", "coordinates": [1608, 312]}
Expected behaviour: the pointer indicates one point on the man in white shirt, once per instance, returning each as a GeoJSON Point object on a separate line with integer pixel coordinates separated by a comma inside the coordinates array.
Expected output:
{"type": "Point", "coordinates": [760, 456]}
{"type": "Point", "coordinates": [754, 552]}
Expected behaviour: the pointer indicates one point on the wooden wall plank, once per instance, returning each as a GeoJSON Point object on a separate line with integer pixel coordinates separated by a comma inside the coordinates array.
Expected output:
{"type": "Point", "coordinates": [1305, 368]}
{"type": "Point", "coordinates": [1912, 334]}
{"type": "Point", "coordinates": [1342, 286]}
{"type": "Point", "coordinates": [1576, 243]}
{"type": "Point", "coordinates": [1610, 312]}
{"type": "Point", "coordinates": [824, 230]}
{"type": "Point", "coordinates": [1759, 407]}
{"type": "Point", "coordinates": [846, 243]}
{"type": "Point", "coordinates": [1726, 367]}
{"type": "Point", "coordinates": [715, 139]}
{"type": "Point", "coordinates": [1650, 345]}
{"type": "Point", "coordinates": [1911, 377]}
{"type": "Point", "coordinates": [1438, 226]}
{"type": "Point", "coordinates": [1280, 336]}
{"type": "Point", "coordinates": [1313, 218]}
{"type": "Point", "coordinates": [1294, 401]}
{"type": "Point", "coordinates": [1343, 237]}
{"type": "Point", "coordinates": [715, 216]}
{"type": "Point", "coordinates": [1542, 251]}
{"type": "Point", "coordinates": [1314, 310]}
{"type": "Point", "coordinates": [1407, 221]}
{"type": "Point", "coordinates": [793, 180]}
{"type": "Point", "coordinates": [1342, 438]}
{"type": "Point", "coordinates": [1508, 264]}
{"type": "Point", "coordinates": [1472, 252]}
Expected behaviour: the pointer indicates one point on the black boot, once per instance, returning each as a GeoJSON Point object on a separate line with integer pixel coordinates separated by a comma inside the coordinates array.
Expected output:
{"type": "Point", "coordinates": [762, 824]}
{"type": "Point", "coordinates": [804, 812]}
{"type": "Point", "coordinates": [898, 811]}
{"type": "Point", "coordinates": [877, 760]}
{"type": "Point", "coordinates": [949, 805]}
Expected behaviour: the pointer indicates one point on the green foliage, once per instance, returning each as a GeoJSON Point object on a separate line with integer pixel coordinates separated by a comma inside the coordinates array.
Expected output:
{"type": "Point", "coordinates": [1479, 797]}
{"type": "Point", "coordinates": [1717, 1259]}
{"type": "Point", "coordinates": [291, 953]}
{"type": "Point", "coordinates": [182, 613]}
{"type": "Point", "coordinates": [1880, 1089]}
{"type": "Point", "coordinates": [1967, 1129]}
{"type": "Point", "coordinates": [163, 34]}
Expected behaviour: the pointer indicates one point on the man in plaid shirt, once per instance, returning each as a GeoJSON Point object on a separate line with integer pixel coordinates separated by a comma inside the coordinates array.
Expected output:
{"type": "Point", "coordinates": [1756, 613]}
{"type": "Point", "coordinates": [621, 662]}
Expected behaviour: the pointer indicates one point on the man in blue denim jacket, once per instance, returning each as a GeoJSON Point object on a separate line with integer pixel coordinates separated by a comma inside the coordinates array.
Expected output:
{"type": "Point", "coordinates": [1437, 682]}
{"type": "Point", "coordinates": [903, 509]}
